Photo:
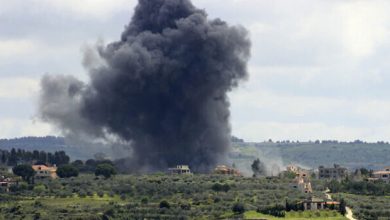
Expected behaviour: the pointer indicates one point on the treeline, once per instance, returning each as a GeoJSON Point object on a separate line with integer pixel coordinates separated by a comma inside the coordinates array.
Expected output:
{"type": "Point", "coordinates": [289, 142]}
{"type": "Point", "coordinates": [20, 156]}
{"type": "Point", "coordinates": [33, 143]}
{"type": "Point", "coordinates": [377, 188]}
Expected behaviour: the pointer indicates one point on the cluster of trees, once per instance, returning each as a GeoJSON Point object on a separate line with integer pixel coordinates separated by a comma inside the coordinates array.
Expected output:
{"type": "Point", "coordinates": [276, 210]}
{"type": "Point", "coordinates": [378, 188]}
{"type": "Point", "coordinates": [153, 196]}
{"type": "Point", "coordinates": [18, 156]}
{"type": "Point", "coordinates": [368, 207]}
{"type": "Point", "coordinates": [105, 169]}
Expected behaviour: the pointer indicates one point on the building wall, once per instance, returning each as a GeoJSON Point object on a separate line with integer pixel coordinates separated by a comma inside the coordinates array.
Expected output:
{"type": "Point", "coordinates": [335, 172]}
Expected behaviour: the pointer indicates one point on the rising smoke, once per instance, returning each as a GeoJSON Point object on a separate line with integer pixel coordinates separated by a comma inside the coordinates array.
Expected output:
{"type": "Point", "coordinates": [161, 89]}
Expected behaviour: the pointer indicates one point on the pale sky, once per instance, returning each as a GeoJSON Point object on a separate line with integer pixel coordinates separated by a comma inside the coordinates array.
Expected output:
{"type": "Point", "coordinates": [319, 69]}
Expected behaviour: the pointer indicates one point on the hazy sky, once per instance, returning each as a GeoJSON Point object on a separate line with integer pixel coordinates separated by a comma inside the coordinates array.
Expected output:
{"type": "Point", "coordinates": [319, 69]}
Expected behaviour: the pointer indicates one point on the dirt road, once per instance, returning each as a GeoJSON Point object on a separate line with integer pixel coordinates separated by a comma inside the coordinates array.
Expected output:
{"type": "Point", "coordinates": [349, 214]}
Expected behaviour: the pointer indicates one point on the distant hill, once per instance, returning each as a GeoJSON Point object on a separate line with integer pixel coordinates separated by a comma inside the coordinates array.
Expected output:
{"type": "Point", "coordinates": [276, 154]}
{"type": "Point", "coordinates": [312, 154]}
{"type": "Point", "coordinates": [34, 143]}
{"type": "Point", "coordinates": [48, 144]}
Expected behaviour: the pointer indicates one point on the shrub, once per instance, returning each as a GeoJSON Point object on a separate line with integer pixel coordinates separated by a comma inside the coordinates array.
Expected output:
{"type": "Point", "coordinates": [100, 194]}
{"type": "Point", "coordinates": [106, 170]}
{"type": "Point", "coordinates": [277, 211]}
{"type": "Point", "coordinates": [67, 171]}
{"type": "Point", "coordinates": [39, 189]}
{"type": "Point", "coordinates": [219, 187]}
{"type": "Point", "coordinates": [164, 204]}
{"type": "Point", "coordinates": [25, 171]}
{"type": "Point", "coordinates": [238, 208]}
{"type": "Point", "coordinates": [144, 201]}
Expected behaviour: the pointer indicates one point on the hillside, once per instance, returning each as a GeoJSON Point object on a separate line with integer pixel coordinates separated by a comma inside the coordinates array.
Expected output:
{"type": "Point", "coordinates": [310, 154]}
{"type": "Point", "coordinates": [276, 155]}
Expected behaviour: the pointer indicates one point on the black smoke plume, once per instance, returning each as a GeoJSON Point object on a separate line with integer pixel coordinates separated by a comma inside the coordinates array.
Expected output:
{"type": "Point", "coordinates": [161, 89]}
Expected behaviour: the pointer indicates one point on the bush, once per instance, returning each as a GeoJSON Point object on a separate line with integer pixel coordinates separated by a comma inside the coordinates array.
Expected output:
{"type": "Point", "coordinates": [164, 204]}
{"type": "Point", "coordinates": [39, 189]}
{"type": "Point", "coordinates": [20, 187]}
{"type": "Point", "coordinates": [67, 171]}
{"type": "Point", "coordinates": [106, 170]}
{"type": "Point", "coordinates": [219, 187]}
{"type": "Point", "coordinates": [238, 208]}
{"type": "Point", "coordinates": [25, 171]}
{"type": "Point", "coordinates": [144, 201]}
{"type": "Point", "coordinates": [100, 194]}
{"type": "Point", "coordinates": [277, 211]}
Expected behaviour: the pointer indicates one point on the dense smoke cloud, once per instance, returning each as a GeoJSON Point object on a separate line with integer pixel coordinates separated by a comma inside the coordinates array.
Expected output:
{"type": "Point", "coordinates": [162, 89]}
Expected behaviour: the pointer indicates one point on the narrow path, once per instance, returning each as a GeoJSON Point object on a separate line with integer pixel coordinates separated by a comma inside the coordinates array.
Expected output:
{"type": "Point", "coordinates": [349, 214]}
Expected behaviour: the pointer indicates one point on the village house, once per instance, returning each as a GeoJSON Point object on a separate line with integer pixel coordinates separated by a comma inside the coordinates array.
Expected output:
{"type": "Point", "coordinates": [336, 172]}
{"type": "Point", "coordinates": [43, 171]}
{"type": "Point", "coordinates": [6, 183]}
{"type": "Point", "coordinates": [180, 169]}
{"type": "Point", "coordinates": [302, 184]}
{"type": "Point", "coordinates": [301, 181]}
{"type": "Point", "coordinates": [225, 170]}
{"type": "Point", "coordinates": [314, 203]}
{"type": "Point", "coordinates": [383, 175]}
{"type": "Point", "coordinates": [300, 172]}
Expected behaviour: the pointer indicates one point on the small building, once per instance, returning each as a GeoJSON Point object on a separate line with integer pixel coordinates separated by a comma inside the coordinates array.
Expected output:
{"type": "Point", "coordinates": [6, 183]}
{"type": "Point", "coordinates": [383, 175]}
{"type": "Point", "coordinates": [302, 184]}
{"type": "Point", "coordinates": [180, 169]}
{"type": "Point", "coordinates": [225, 170]}
{"type": "Point", "coordinates": [43, 171]}
{"type": "Point", "coordinates": [300, 172]}
{"type": "Point", "coordinates": [314, 203]}
{"type": "Point", "coordinates": [335, 173]}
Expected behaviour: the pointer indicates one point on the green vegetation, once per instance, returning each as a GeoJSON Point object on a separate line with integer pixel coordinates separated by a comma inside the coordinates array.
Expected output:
{"type": "Point", "coordinates": [360, 187]}
{"type": "Point", "coordinates": [367, 207]}
{"type": "Point", "coordinates": [300, 215]}
{"type": "Point", "coordinates": [146, 196]}
{"type": "Point", "coordinates": [105, 169]}
{"type": "Point", "coordinates": [25, 171]}
{"type": "Point", "coordinates": [313, 154]}
{"type": "Point", "coordinates": [66, 171]}
{"type": "Point", "coordinates": [16, 156]}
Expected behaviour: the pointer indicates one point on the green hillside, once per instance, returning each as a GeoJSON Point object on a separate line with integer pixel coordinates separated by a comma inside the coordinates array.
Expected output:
{"type": "Point", "coordinates": [310, 154]}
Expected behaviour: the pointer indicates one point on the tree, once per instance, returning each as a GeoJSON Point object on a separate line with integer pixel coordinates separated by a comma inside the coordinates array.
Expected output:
{"type": "Point", "coordinates": [258, 168]}
{"type": "Point", "coordinates": [165, 204]}
{"type": "Point", "coordinates": [3, 157]}
{"type": "Point", "coordinates": [66, 171]}
{"type": "Point", "coordinates": [25, 171]}
{"type": "Point", "coordinates": [106, 170]}
{"type": "Point", "coordinates": [343, 207]}
{"type": "Point", "coordinates": [238, 208]}
{"type": "Point", "coordinates": [78, 163]}
{"type": "Point", "coordinates": [60, 158]}
{"type": "Point", "coordinates": [13, 158]}
{"type": "Point", "coordinates": [219, 187]}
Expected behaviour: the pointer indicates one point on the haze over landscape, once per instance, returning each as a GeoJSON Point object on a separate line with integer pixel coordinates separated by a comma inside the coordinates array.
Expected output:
{"type": "Point", "coordinates": [318, 70]}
